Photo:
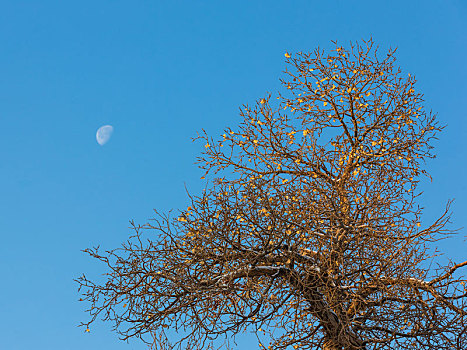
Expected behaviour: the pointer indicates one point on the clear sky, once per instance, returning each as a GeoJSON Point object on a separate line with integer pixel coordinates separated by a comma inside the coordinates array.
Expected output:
{"type": "Point", "coordinates": [159, 71]}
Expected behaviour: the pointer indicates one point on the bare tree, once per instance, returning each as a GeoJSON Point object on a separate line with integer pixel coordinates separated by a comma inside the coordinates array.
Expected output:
{"type": "Point", "coordinates": [309, 235]}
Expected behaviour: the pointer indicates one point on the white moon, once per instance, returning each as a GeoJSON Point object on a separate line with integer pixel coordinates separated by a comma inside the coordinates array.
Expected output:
{"type": "Point", "coordinates": [103, 134]}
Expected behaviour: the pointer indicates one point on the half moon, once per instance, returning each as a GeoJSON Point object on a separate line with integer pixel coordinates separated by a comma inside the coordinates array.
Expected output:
{"type": "Point", "coordinates": [103, 134]}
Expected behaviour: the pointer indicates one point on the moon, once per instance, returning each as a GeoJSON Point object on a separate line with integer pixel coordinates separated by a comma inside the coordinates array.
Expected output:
{"type": "Point", "coordinates": [103, 134]}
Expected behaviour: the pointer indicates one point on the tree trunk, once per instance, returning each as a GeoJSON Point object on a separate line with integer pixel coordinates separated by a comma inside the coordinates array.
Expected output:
{"type": "Point", "coordinates": [330, 344]}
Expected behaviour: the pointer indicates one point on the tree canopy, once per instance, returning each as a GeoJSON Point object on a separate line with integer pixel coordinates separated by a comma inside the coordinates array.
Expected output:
{"type": "Point", "coordinates": [308, 233]}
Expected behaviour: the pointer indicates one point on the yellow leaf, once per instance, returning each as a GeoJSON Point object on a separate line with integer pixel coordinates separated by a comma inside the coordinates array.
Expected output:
{"type": "Point", "coordinates": [124, 305]}
{"type": "Point", "coordinates": [368, 93]}
{"type": "Point", "coordinates": [325, 103]}
{"type": "Point", "coordinates": [88, 330]}
{"type": "Point", "coordinates": [207, 145]}
{"type": "Point", "coordinates": [255, 141]}
{"type": "Point", "coordinates": [418, 224]}
{"type": "Point", "coordinates": [287, 55]}
{"type": "Point", "coordinates": [354, 71]}
{"type": "Point", "coordinates": [262, 101]}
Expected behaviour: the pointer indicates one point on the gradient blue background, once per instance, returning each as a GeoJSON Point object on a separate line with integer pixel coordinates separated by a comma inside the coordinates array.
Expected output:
{"type": "Point", "coordinates": [159, 71]}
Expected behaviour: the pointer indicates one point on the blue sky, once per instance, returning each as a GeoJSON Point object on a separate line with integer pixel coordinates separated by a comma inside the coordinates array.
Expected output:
{"type": "Point", "coordinates": [159, 71]}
